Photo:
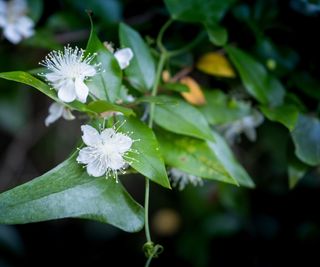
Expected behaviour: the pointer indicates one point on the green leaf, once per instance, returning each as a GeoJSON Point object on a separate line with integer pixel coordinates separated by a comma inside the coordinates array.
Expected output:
{"type": "Point", "coordinates": [306, 138]}
{"type": "Point", "coordinates": [28, 79]}
{"type": "Point", "coordinates": [217, 35]}
{"type": "Point", "coordinates": [146, 156]}
{"type": "Point", "coordinates": [142, 70]}
{"type": "Point", "coordinates": [106, 84]}
{"type": "Point", "coordinates": [222, 109]}
{"type": "Point", "coordinates": [192, 156]}
{"type": "Point", "coordinates": [68, 191]}
{"type": "Point", "coordinates": [177, 87]}
{"type": "Point", "coordinates": [35, 9]}
{"type": "Point", "coordinates": [261, 85]}
{"type": "Point", "coordinates": [182, 118]}
{"type": "Point", "coordinates": [198, 10]}
{"type": "Point", "coordinates": [101, 106]}
{"type": "Point", "coordinates": [227, 159]}
{"type": "Point", "coordinates": [286, 114]}
{"type": "Point", "coordinates": [209, 13]}
{"type": "Point", "coordinates": [296, 171]}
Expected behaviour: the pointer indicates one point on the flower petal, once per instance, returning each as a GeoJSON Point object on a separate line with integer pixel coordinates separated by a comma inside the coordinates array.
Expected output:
{"type": "Point", "coordinates": [67, 115]}
{"type": "Point", "coordinates": [96, 168]}
{"type": "Point", "coordinates": [116, 162]}
{"type": "Point", "coordinates": [91, 136]}
{"type": "Point", "coordinates": [123, 142]}
{"type": "Point", "coordinates": [55, 112]}
{"type": "Point", "coordinates": [11, 33]}
{"type": "Point", "coordinates": [123, 57]}
{"type": "Point", "coordinates": [67, 93]}
{"type": "Point", "coordinates": [107, 134]}
{"type": "Point", "coordinates": [82, 90]}
{"type": "Point", "coordinates": [87, 155]}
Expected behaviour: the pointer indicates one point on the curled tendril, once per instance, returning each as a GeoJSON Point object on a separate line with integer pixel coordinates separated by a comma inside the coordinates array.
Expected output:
{"type": "Point", "coordinates": [152, 250]}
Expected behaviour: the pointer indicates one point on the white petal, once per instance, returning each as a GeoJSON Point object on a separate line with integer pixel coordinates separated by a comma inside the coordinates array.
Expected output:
{"type": "Point", "coordinates": [53, 77]}
{"type": "Point", "coordinates": [87, 155]}
{"type": "Point", "coordinates": [55, 112]}
{"type": "Point", "coordinates": [91, 136]}
{"type": "Point", "coordinates": [67, 115]}
{"type": "Point", "coordinates": [24, 26]}
{"type": "Point", "coordinates": [96, 168]}
{"type": "Point", "coordinates": [122, 142]}
{"type": "Point", "coordinates": [11, 33]}
{"type": "Point", "coordinates": [107, 134]}
{"type": "Point", "coordinates": [88, 70]}
{"type": "Point", "coordinates": [67, 93]}
{"type": "Point", "coordinates": [250, 133]}
{"type": "Point", "coordinates": [123, 57]}
{"type": "Point", "coordinates": [82, 90]}
{"type": "Point", "coordinates": [116, 161]}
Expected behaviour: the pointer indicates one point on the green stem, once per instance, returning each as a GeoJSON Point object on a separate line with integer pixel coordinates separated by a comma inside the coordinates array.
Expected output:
{"type": "Point", "coordinates": [146, 211]}
{"type": "Point", "coordinates": [160, 35]}
{"type": "Point", "coordinates": [160, 66]}
{"type": "Point", "coordinates": [188, 47]}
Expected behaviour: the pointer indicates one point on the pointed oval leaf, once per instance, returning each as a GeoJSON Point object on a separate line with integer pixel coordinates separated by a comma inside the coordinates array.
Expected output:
{"type": "Point", "coordinates": [147, 159]}
{"type": "Point", "coordinates": [306, 138]}
{"type": "Point", "coordinates": [192, 156]}
{"type": "Point", "coordinates": [227, 159]}
{"type": "Point", "coordinates": [28, 79]}
{"type": "Point", "coordinates": [68, 191]}
{"type": "Point", "coordinates": [182, 118]}
{"type": "Point", "coordinates": [105, 85]}
{"type": "Point", "coordinates": [261, 85]}
{"type": "Point", "coordinates": [142, 70]}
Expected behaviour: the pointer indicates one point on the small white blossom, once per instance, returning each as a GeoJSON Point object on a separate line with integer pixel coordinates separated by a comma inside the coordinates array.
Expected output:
{"type": "Point", "coordinates": [57, 110]}
{"type": "Point", "coordinates": [246, 125]}
{"type": "Point", "coordinates": [105, 152]}
{"type": "Point", "coordinates": [182, 179]}
{"type": "Point", "coordinates": [123, 56]}
{"type": "Point", "coordinates": [68, 71]}
{"type": "Point", "coordinates": [16, 25]}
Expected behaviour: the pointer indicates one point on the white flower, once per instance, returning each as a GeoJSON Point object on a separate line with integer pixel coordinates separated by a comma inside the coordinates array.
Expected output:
{"type": "Point", "coordinates": [123, 56]}
{"type": "Point", "coordinates": [245, 125]}
{"type": "Point", "coordinates": [68, 71]}
{"type": "Point", "coordinates": [181, 179]}
{"type": "Point", "coordinates": [105, 152]}
{"type": "Point", "coordinates": [57, 110]}
{"type": "Point", "coordinates": [16, 25]}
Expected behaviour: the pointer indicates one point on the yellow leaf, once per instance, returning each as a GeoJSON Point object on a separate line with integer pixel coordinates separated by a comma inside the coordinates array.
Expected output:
{"type": "Point", "coordinates": [215, 64]}
{"type": "Point", "coordinates": [195, 95]}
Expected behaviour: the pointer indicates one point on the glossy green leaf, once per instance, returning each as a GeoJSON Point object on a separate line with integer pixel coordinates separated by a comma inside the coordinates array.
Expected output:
{"type": "Point", "coordinates": [221, 109]}
{"type": "Point", "coordinates": [227, 159]}
{"type": "Point", "coordinates": [286, 114]}
{"type": "Point", "coordinates": [192, 156]}
{"type": "Point", "coordinates": [261, 85]}
{"type": "Point", "coordinates": [146, 156]}
{"type": "Point", "coordinates": [142, 70]}
{"type": "Point", "coordinates": [68, 191]}
{"type": "Point", "coordinates": [28, 79]}
{"type": "Point", "coordinates": [180, 117]}
{"type": "Point", "coordinates": [306, 138]}
{"type": "Point", "coordinates": [106, 84]}
{"type": "Point", "coordinates": [102, 106]}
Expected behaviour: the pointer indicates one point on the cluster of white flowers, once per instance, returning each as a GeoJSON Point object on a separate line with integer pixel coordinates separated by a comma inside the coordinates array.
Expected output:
{"type": "Point", "coordinates": [105, 153]}
{"type": "Point", "coordinates": [14, 22]}
{"type": "Point", "coordinates": [246, 125]}
{"type": "Point", "coordinates": [181, 179]}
